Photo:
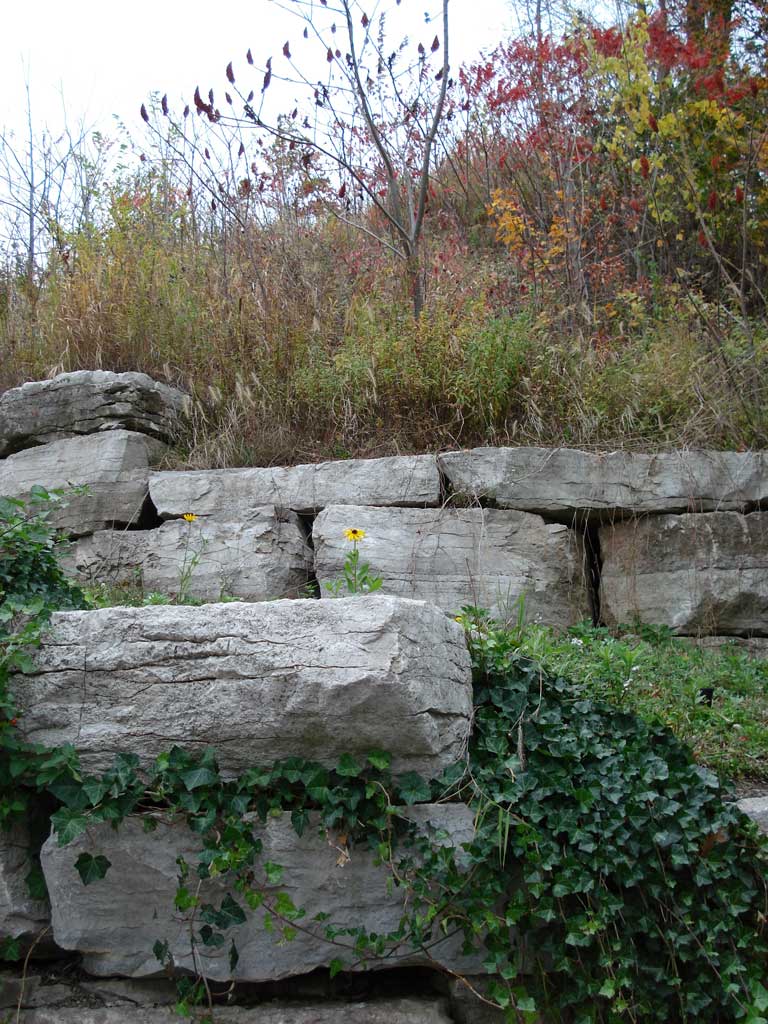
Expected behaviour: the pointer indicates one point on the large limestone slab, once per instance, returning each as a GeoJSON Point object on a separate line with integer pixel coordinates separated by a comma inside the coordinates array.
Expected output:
{"type": "Point", "coordinates": [263, 557]}
{"type": "Point", "coordinates": [697, 574]}
{"type": "Point", "coordinates": [115, 922]}
{"type": "Point", "coordinates": [370, 1011]}
{"type": "Point", "coordinates": [398, 480]}
{"type": "Point", "coordinates": [562, 482]}
{"type": "Point", "coordinates": [87, 402]}
{"type": "Point", "coordinates": [258, 682]}
{"type": "Point", "coordinates": [114, 466]}
{"type": "Point", "coordinates": [21, 916]}
{"type": "Point", "coordinates": [453, 557]}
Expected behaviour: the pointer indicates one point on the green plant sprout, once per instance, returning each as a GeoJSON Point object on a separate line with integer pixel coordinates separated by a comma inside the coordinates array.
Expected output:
{"type": "Point", "coordinates": [191, 559]}
{"type": "Point", "coordinates": [357, 574]}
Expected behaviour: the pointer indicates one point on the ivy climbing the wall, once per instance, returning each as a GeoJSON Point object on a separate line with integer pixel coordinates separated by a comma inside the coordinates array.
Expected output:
{"type": "Point", "coordinates": [609, 878]}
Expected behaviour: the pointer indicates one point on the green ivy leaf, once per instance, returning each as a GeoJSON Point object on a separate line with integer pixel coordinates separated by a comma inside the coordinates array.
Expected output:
{"type": "Point", "coordinates": [162, 952]}
{"type": "Point", "coordinates": [10, 949]}
{"type": "Point", "coordinates": [413, 789]}
{"type": "Point", "coordinates": [231, 912]}
{"type": "Point", "coordinates": [348, 767]}
{"type": "Point", "coordinates": [253, 898]}
{"type": "Point", "coordinates": [285, 907]}
{"type": "Point", "coordinates": [70, 792]}
{"type": "Point", "coordinates": [299, 820]}
{"type": "Point", "coordinates": [335, 966]}
{"type": "Point", "coordinates": [200, 776]}
{"type": "Point", "coordinates": [273, 872]}
{"type": "Point", "coordinates": [92, 869]}
{"type": "Point", "coordinates": [759, 996]}
{"type": "Point", "coordinates": [94, 790]}
{"type": "Point", "coordinates": [380, 759]}
{"type": "Point", "coordinates": [211, 938]}
{"type": "Point", "coordinates": [184, 900]}
{"type": "Point", "coordinates": [35, 882]}
{"type": "Point", "coordinates": [234, 956]}
{"type": "Point", "coordinates": [68, 825]}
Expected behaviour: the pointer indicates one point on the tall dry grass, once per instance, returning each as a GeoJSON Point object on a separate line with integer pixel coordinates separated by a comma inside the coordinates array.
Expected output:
{"type": "Point", "coordinates": [294, 334]}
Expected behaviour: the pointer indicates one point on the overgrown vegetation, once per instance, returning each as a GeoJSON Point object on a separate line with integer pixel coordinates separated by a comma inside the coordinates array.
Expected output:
{"type": "Point", "coordinates": [591, 262]}
{"type": "Point", "coordinates": [608, 880]}
{"type": "Point", "coordinates": [714, 701]}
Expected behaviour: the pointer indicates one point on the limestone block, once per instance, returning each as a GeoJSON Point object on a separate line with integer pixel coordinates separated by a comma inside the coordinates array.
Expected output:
{"type": "Point", "coordinates": [135, 991]}
{"type": "Point", "coordinates": [454, 557]}
{"type": "Point", "coordinates": [562, 482]}
{"type": "Point", "coordinates": [697, 574]}
{"type": "Point", "coordinates": [258, 682]}
{"type": "Point", "coordinates": [115, 922]}
{"type": "Point", "coordinates": [30, 991]}
{"type": "Point", "coordinates": [399, 480]}
{"type": "Point", "coordinates": [87, 402]}
{"type": "Point", "coordinates": [371, 1011]}
{"type": "Point", "coordinates": [113, 465]}
{"type": "Point", "coordinates": [21, 917]}
{"type": "Point", "coordinates": [756, 808]}
{"type": "Point", "coordinates": [265, 556]}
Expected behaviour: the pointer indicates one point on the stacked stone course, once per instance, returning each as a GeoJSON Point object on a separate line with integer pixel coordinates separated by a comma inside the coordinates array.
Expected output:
{"type": "Point", "coordinates": [676, 538]}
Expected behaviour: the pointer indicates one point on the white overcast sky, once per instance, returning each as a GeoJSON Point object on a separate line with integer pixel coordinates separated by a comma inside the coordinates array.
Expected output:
{"type": "Point", "coordinates": [105, 57]}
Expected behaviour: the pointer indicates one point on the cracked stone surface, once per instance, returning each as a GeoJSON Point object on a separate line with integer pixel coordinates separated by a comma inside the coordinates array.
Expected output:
{"type": "Point", "coordinates": [262, 557]}
{"type": "Point", "coordinates": [454, 557]}
{"type": "Point", "coordinates": [31, 990]}
{"type": "Point", "coordinates": [697, 574]}
{"type": "Point", "coordinates": [87, 402]}
{"type": "Point", "coordinates": [114, 466]}
{"type": "Point", "coordinates": [21, 917]}
{"type": "Point", "coordinates": [397, 480]}
{"type": "Point", "coordinates": [562, 482]}
{"type": "Point", "coordinates": [115, 922]}
{"type": "Point", "coordinates": [374, 1011]}
{"type": "Point", "coordinates": [257, 681]}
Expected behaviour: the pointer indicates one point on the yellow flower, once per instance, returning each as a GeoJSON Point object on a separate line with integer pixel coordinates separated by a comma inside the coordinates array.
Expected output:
{"type": "Point", "coordinates": [354, 534]}
{"type": "Point", "coordinates": [189, 517]}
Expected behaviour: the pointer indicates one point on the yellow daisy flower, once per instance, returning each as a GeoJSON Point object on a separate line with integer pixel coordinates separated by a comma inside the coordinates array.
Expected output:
{"type": "Point", "coordinates": [354, 534]}
{"type": "Point", "coordinates": [189, 517]}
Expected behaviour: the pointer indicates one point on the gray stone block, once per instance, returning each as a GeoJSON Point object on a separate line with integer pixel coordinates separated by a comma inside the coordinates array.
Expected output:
{"type": "Point", "coordinates": [87, 402]}
{"type": "Point", "coordinates": [697, 574]}
{"type": "Point", "coordinates": [258, 682]}
{"type": "Point", "coordinates": [29, 991]}
{"type": "Point", "coordinates": [562, 482]}
{"type": "Point", "coordinates": [21, 917]}
{"type": "Point", "coordinates": [398, 480]}
{"type": "Point", "coordinates": [453, 557]}
{"type": "Point", "coordinates": [757, 809]}
{"type": "Point", "coordinates": [114, 466]}
{"type": "Point", "coordinates": [373, 1011]}
{"type": "Point", "coordinates": [263, 557]}
{"type": "Point", "coordinates": [115, 922]}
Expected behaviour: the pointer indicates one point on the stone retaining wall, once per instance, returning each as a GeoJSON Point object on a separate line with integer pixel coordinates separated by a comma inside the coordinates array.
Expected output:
{"type": "Point", "coordinates": [676, 539]}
